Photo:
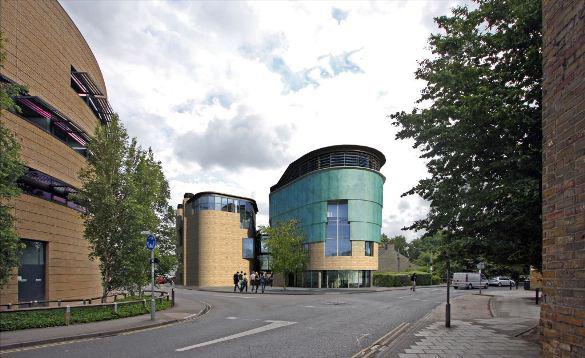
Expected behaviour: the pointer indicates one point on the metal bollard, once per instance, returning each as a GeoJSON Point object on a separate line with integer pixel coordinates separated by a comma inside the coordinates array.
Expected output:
{"type": "Point", "coordinates": [115, 307]}
{"type": "Point", "coordinates": [67, 315]}
{"type": "Point", "coordinates": [144, 302]}
{"type": "Point", "coordinates": [89, 301]}
{"type": "Point", "coordinates": [9, 305]}
{"type": "Point", "coordinates": [173, 297]}
{"type": "Point", "coordinates": [59, 303]}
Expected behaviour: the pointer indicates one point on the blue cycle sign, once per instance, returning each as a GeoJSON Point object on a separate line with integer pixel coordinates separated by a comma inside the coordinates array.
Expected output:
{"type": "Point", "coordinates": [150, 242]}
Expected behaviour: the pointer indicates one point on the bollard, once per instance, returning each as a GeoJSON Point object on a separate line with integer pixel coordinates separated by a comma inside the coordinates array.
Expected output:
{"type": "Point", "coordinates": [10, 305]}
{"type": "Point", "coordinates": [537, 295]}
{"type": "Point", "coordinates": [59, 303]}
{"type": "Point", "coordinates": [144, 302]}
{"type": "Point", "coordinates": [89, 300]}
{"type": "Point", "coordinates": [115, 298]}
{"type": "Point", "coordinates": [84, 302]}
{"type": "Point", "coordinates": [115, 307]}
{"type": "Point", "coordinates": [173, 297]}
{"type": "Point", "coordinates": [67, 315]}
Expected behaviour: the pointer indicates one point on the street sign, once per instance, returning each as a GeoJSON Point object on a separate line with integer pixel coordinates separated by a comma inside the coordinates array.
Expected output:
{"type": "Point", "coordinates": [150, 242]}
{"type": "Point", "coordinates": [481, 266]}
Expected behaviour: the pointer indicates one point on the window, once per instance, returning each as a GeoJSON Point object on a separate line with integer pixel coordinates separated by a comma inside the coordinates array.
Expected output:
{"type": "Point", "coordinates": [86, 88]}
{"type": "Point", "coordinates": [39, 184]}
{"type": "Point", "coordinates": [248, 248]}
{"type": "Point", "coordinates": [369, 248]}
{"type": "Point", "coordinates": [337, 240]}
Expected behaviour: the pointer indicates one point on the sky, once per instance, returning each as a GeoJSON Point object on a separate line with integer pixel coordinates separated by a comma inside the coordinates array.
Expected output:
{"type": "Point", "coordinates": [227, 94]}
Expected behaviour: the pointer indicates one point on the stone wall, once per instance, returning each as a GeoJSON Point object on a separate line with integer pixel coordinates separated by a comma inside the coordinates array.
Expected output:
{"type": "Point", "coordinates": [563, 310]}
{"type": "Point", "coordinates": [390, 260]}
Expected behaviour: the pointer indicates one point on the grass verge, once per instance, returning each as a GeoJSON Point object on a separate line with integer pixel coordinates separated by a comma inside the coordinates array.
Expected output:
{"type": "Point", "coordinates": [11, 321]}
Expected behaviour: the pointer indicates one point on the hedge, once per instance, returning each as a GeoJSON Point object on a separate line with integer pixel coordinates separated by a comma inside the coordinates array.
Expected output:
{"type": "Point", "coordinates": [397, 279]}
{"type": "Point", "coordinates": [25, 319]}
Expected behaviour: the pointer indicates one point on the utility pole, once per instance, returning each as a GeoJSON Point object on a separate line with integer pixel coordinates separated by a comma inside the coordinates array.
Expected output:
{"type": "Point", "coordinates": [150, 245]}
{"type": "Point", "coordinates": [448, 305]}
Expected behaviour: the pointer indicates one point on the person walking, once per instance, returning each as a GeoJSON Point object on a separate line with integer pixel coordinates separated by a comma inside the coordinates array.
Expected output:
{"type": "Point", "coordinates": [241, 281]}
{"type": "Point", "coordinates": [413, 279]}
{"type": "Point", "coordinates": [252, 278]}
{"type": "Point", "coordinates": [263, 281]}
{"type": "Point", "coordinates": [271, 279]}
{"type": "Point", "coordinates": [256, 280]}
{"type": "Point", "coordinates": [245, 282]}
{"type": "Point", "coordinates": [236, 281]}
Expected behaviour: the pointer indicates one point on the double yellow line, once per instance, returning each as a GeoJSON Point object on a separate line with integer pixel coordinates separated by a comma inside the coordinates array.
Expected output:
{"type": "Point", "coordinates": [382, 341]}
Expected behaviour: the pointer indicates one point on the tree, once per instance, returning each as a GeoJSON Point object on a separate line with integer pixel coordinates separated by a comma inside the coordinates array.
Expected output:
{"type": "Point", "coordinates": [124, 192]}
{"type": "Point", "coordinates": [285, 244]}
{"type": "Point", "coordinates": [11, 168]}
{"type": "Point", "coordinates": [480, 130]}
{"type": "Point", "coordinates": [400, 244]}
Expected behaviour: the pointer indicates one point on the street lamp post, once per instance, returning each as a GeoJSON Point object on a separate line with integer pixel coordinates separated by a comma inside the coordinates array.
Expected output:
{"type": "Point", "coordinates": [448, 305]}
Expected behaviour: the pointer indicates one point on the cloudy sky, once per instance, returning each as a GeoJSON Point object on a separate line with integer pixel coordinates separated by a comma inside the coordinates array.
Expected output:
{"type": "Point", "coordinates": [229, 93]}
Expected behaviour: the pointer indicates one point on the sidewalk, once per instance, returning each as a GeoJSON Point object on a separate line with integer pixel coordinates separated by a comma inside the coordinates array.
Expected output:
{"type": "Point", "coordinates": [495, 324]}
{"type": "Point", "coordinates": [183, 310]}
{"type": "Point", "coordinates": [306, 291]}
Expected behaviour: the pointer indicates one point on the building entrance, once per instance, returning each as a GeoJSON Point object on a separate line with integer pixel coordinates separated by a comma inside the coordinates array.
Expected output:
{"type": "Point", "coordinates": [31, 273]}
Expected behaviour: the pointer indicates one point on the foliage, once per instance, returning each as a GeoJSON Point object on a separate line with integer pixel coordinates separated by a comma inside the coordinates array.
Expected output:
{"type": "Point", "coordinates": [125, 192]}
{"type": "Point", "coordinates": [285, 244]}
{"type": "Point", "coordinates": [479, 128]}
{"type": "Point", "coordinates": [400, 244]}
{"type": "Point", "coordinates": [397, 279]}
{"type": "Point", "coordinates": [11, 168]}
{"type": "Point", "coordinates": [25, 319]}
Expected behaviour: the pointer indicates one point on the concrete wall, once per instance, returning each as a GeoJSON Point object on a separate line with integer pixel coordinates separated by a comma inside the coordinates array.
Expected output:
{"type": "Point", "coordinates": [390, 260]}
{"type": "Point", "coordinates": [563, 310]}
{"type": "Point", "coordinates": [41, 44]}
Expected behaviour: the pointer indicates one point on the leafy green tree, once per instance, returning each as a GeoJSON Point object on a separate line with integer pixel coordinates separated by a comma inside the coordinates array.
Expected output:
{"type": "Point", "coordinates": [479, 128]}
{"type": "Point", "coordinates": [285, 244]}
{"type": "Point", "coordinates": [125, 192]}
{"type": "Point", "coordinates": [11, 168]}
{"type": "Point", "coordinates": [400, 244]}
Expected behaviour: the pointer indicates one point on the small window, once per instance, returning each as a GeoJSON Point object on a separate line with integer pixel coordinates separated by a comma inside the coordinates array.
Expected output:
{"type": "Point", "coordinates": [369, 250]}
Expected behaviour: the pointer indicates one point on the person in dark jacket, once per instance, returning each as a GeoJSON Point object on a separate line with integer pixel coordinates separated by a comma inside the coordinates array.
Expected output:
{"type": "Point", "coordinates": [263, 279]}
{"type": "Point", "coordinates": [236, 281]}
{"type": "Point", "coordinates": [413, 279]}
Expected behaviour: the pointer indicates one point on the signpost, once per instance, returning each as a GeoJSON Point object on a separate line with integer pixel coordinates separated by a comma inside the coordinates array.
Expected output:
{"type": "Point", "coordinates": [150, 245]}
{"type": "Point", "coordinates": [480, 266]}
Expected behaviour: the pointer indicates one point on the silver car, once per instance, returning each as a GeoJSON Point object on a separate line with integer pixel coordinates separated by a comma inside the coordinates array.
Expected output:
{"type": "Point", "coordinates": [501, 281]}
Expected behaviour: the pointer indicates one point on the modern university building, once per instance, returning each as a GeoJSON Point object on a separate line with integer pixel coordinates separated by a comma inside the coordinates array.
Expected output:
{"type": "Point", "coordinates": [336, 194]}
{"type": "Point", "coordinates": [215, 238]}
{"type": "Point", "coordinates": [64, 104]}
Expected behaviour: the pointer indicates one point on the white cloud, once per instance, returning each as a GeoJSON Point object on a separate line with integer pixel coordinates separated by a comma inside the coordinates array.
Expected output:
{"type": "Point", "coordinates": [191, 79]}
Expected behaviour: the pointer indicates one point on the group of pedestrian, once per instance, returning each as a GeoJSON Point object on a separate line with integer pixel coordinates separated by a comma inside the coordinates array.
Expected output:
{"type": "Point", "coordinates": [255, 280]}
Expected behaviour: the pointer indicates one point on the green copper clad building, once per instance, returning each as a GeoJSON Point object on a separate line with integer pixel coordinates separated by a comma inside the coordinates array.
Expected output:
{"type": "Point", "coordinates": [336, 194]}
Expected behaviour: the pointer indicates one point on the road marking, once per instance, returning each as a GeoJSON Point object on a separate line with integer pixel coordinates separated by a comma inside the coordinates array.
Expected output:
{"type": "Point", "coordinates": [231, 317]}
{"type": "Point", "coordinates": [271, 325]}
{"type": "Point", "coordinates": [309, 306]}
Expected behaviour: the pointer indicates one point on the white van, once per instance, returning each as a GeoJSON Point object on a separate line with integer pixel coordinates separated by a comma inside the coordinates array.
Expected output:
{"type": "Point", "coordinates": [468, 280]}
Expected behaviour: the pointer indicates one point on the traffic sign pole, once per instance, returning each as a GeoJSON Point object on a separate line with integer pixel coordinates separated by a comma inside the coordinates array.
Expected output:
{"type": "Point", "coordinates": [152, 302]}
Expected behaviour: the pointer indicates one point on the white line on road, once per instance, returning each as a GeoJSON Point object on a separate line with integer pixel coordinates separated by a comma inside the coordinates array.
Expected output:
{"type": "Point", "coordinates": [268, 327]}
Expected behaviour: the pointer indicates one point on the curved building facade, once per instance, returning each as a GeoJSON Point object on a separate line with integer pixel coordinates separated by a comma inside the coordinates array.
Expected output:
{"type": "Point", "coordinates": [336, 195]}
{"type": "Point", "coordinates": [216, 238]}
{"type": "Point", "coordinates": [64, 103]}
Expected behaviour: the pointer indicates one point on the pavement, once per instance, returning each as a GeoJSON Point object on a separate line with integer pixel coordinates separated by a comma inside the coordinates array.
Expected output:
{"type": "Point", "coordinates": [306, 291]}
{"type": "Point", "coordinates": [499, 323]}
{"type": "Point", "coordinates": [183, 310]}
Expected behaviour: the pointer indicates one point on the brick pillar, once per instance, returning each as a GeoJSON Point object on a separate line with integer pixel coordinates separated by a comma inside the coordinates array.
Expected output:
{"type": "Point", "coordinates": [563, 310]}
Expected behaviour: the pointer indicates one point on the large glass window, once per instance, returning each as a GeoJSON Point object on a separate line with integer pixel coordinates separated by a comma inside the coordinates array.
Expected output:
{"type": "Point", "coordinates": [337, 241]}
{"type": "Point", "coordinates": [248, 248]}
{"type": "Point", "coordinates": [369, 250]}
{"type": "Point", "coordinates": [36, 183]}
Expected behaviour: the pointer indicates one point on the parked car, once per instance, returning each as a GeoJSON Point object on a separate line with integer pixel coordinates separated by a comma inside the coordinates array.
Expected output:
{"type": "Point", "coordinates": [468, 280]}
{"type": "Point", "coordinates": [501, 281]}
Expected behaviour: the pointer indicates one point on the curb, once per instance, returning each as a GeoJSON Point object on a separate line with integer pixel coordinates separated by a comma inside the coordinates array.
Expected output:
{"type": "Point", "coordinates": [206, 308]}
{"type": "Point", "coordinates": [309, 293]}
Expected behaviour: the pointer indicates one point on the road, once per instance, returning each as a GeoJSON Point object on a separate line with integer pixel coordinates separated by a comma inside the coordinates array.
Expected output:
{"type": "Point", "coordinates": [240, 325]}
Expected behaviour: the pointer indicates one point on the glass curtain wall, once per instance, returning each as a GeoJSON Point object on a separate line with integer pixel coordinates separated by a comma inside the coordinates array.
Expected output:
{"type": "Point", "coordinates": [221, 203]}
{"type": "Point", "coordinates": [337, 242]}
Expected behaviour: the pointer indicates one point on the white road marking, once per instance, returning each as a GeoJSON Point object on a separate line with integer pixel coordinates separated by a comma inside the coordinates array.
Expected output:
{"type": "Point", "coordinates": [309, 306]}
{"type": "Point", "coordinates": [231, 317]}
{"type": "Point", "coordinates": [268, 327]}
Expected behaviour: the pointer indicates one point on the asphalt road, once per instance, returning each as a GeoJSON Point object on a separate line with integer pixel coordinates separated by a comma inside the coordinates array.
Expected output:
{"type": "Point", "coordinates": [330, 325]}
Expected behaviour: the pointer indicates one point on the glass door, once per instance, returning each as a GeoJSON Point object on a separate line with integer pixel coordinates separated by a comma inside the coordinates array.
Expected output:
{"type": "Point", "coordinates": [31, 273]}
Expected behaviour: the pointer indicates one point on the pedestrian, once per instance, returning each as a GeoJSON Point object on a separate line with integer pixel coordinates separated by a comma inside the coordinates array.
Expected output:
{"type": "Point", "coordinates": [263, 281]}
{"type": "Point", "coordinates": [271, 279]}
{"type": "Point", "coordinates": [245, 281]}
{"type": "Point", "coordinates": [252, 278]}
{"type": "Point", "coordinates": [236, 281]}
{"type": "Point", "coordinates": [511, 283]}
{"type": "Point", "coordinates": [413, 279]}
{"type": "Point", "coordinates": [256, 280]}
{"type": "Point", "coordinates": [241, 281]}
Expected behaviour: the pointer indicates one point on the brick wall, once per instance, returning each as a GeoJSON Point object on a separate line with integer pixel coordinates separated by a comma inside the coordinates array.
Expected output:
{"type": "Point", "coordinates": [563, 311]}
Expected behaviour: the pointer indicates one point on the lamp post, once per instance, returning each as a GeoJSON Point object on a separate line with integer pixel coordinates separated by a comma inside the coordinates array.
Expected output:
{"type": "Point", "coordinates": [448, 305]}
